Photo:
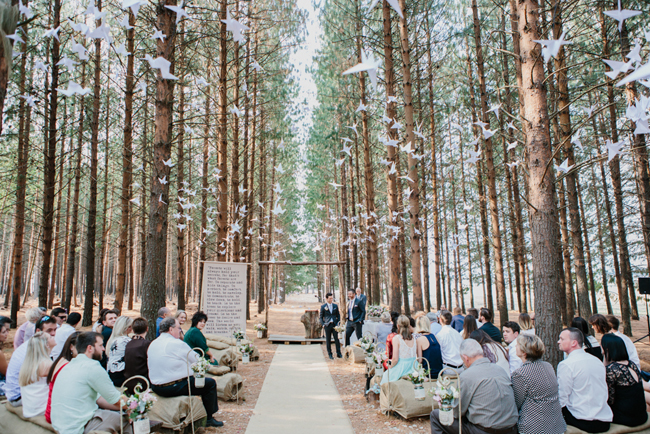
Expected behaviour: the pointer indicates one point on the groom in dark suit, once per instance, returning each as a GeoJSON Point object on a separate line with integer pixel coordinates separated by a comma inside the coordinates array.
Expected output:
{"type": "Point", "coordinates": [356, 309]}
{"type": "Point", "coordinates": [329, 318]}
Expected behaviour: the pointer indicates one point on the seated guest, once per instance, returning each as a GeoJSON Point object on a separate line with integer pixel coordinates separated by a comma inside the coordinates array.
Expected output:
{"type": "Point", "coordinates": [5, 324]}
{"type": "Point", "coordinates": [449, 340]}
{"type": "Point", "coordinates": [97, 327]}
{"type": "Point", "coordinates": [115, 349]}
{"type": "Point", "coordinates": [485, 318]}
{"type": "Point", "coordinates": [510, 332]}
{"type": "Point", "coordinates": [60, 315]}
{"type": "Point", "coordinates": [110, 316]}
{"type": "Point", "coordinates": [526, 324]}
{"type": "Point", "coordinates": [629, 345]}
{"type": "Point", "coordinates": [135, 352]}
{"type": "Point", "coordinates": [492, 351]}
{"type": "Point", "coordinates": [404, 351]}
{"type": "Point", "coordinates": [47, 325]}
{"type": "Point", "coordinates": [69, 352]}
{"type": "Point", "coordinates": [384, 329]}
{"type": "Point", "coordinates": [31, 316]}
{"type": "Point", "coordinates": [487, 399]}
{"type": "Point", "coordinates": [391, 335]}
{"type": "Point", "coordinates": [457, 320]}
{"type": "Point", "coordinates": [474, 312]}
{"type": "Point", "coordinates": [624, 384]}
{"type": "Point", "coordinates": [469, 326]}
{"type": "Point", "coordinates": [33, 374]}
{"type": "Point", "coordinates": [435, 325]}
{"type": "Point", "coordinates": [194, 336]}
{"type": "Point", "coordinates": [536, 391]}
{"type": "Point", "coordinates": [62, 334]}
{"type": "Point", "coordinates": [583, 387]}
{"type": "Point", "coordinates": [163, 313]}
{"type": "Point", "coordinates": [428, 347]}
{"type": "Point", "coordinates": [181, 316]}
{"type": "Point", "coordinates": [167, 361]}
{"type": "Point", "coordinates": [591, 345]}
{"type": "Point", "coordinates": [83, 397]}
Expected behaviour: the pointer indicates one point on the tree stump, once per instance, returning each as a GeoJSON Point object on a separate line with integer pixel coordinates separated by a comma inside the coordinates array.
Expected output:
{"type": "Point", "coordinates": [311, 321]}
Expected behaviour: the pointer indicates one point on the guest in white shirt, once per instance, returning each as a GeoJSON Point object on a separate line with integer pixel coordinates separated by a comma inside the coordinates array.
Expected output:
{"type": "Point", "coordinates": [64, 332]}
{"type": "Point", "coordinates": [449, 340]}
{"type": "Point", "coordinates": [167, 359]}
{"type": "Point", "coordinates": [510, 333]}
{"type": "Point", "coordinates": [582, 385]}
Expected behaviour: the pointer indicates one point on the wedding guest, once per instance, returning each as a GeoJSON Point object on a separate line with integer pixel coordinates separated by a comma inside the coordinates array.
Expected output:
{"type": "Point", "coordinates": [356, 313]}
{"type": "Point", "coordinates": [582, 385]}
{"type": "Point", "coordinates": [384, 328]}
{"type": "Point", "coordinates": [32, 378]}
{"type": "Point", "coordinates": [404, 351]}
{"type": "Point", "coordinates": [31, 316]}
{"type": "Point", "coordinates": [492, 351]}
{"type": "Point", "coordinates": [5, 324]}
{"type": "Point", "coordinates": [62, 334]}
{"type": "Point", "coordinates": [536, 390]}
{"type": "Point", "coordinates": [68, 352]}
{"type": "Point", "coordinates": [31, 328]}
{"type": "Point", "coordinates": [329, 318]}
{"type": "Point", "coordinates": [97, 326]}
{"type": "Point", "coordinates": [361, 297]}
{"type": "Point", "coordinates": [60, 315]}
{"type": "Point", "coordinates": [510, 332]}
{"type": "Point", "coordinates": [194, 336]}
{"type": "Point", "coordinates": [591, 345]}
{"type": "Point", "coordinates": [449, 340]}
{"type": "Point", "coordinates": [526, 324]}
{"type": "Point", "coordinates": [624, 384]}
{"type": "Point", "coordinates": [629, 345]}
{"type": "Point", "coordinates": [167, 360]}
{"type": "Point", "coordinates": [469, 326]}
{"type": "Point", "coordinates": [115, 348]}
{"type": "Point", "coordinates": [181, 316]}
{"type": "Point", "coordinates": [485, 318]}
{"type": "Point", "coordinates": [457, 320]}
{"type": "Point", "coordinates": [391, 335]}
{"type": "Point", "coordinates": [84, 398]}
{"type": "Point", "coordinates": [47, 325]}
{"type": "Point", "coordinates": [435, 325]}
{"type": "Point", "coordinates": [474, 312]}
{"type": "Point", "coordinates": [108, 322]}
{"type": "Point", "coordinates": [428, 347]}
{"type": "Point", "coordinates": [135, 352]}
{"type": "Point", "coordinates": [163, 313]}
{"type": "Point", "coordinates": [486, 396]}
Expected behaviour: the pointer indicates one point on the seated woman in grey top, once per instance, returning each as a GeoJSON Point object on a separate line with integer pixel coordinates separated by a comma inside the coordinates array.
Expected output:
{"type": "Point", "coordinates": [384, 328]}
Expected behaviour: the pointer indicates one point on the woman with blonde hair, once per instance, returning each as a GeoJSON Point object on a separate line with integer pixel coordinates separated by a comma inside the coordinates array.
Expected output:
{"type": "Point", "coordinates": [404, 351]}
{"type": "Point", "coordinates": [526, 325]}
{"type": "Point", "coordinates": [33, 374]}
{"type": "Point", "coordinates": [428, 347]}
{"type": "Point", "coordinates": [26, 330]}
{"type": "Point", "coordinates": [115, 347]}
{"type": "Point", "coordinates": [181, 316]}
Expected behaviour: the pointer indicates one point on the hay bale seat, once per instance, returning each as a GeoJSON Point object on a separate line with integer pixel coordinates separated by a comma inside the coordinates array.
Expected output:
{"type": "Point", "coordinates": [354, 354]}
{"type": "Point", "coordinates": [218, 344]}
{"type": "Point", "coordinates": [228, 386]}
{"type": "Point", "coordinates": [402, 399]}
{"type": "Point", "coordinates": [617, 429]}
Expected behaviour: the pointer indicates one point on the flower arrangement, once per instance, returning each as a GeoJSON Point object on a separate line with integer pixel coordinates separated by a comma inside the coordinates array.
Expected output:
{"type": "Point", "coordinates": [367, 345]}
{"type": "Point", "coordinates": [246, 349]}
{"type": "Point", "coordinates": [375, 311]}
{"type": "Point", "coordinates": [339, 328]}
{"type": "Point", "coordinates": [378, 358]}
{"type": "Point", "coordinates": [238, 335]}
{"type": "Point", "coordinates": [444, 394]}
{"type": "Point", "coordinates": [418, 375]}
{"type": "Point", "coordinates": [201, 366]}
{"type": "Point", "coordinates": [139, 404]}
{"type": "Point", "coordinates": [259, 327]}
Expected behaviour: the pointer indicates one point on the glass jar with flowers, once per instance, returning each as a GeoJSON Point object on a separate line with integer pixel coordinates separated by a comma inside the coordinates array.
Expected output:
{"type": "Point", "coordinates": [246, 352]}
{"type": "Point", "coordinates": [260, 329]}
{"type": "Point", "coordinates": [200, 368]}
{"type": "Point", "coordinates": [417, 377]}
{"type": "Point", "coordinates": [445, 393]}
{"type": "Point", "coordinates": [137, 407]}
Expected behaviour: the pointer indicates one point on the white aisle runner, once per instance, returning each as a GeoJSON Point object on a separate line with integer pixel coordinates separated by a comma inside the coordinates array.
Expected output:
{"type": "Point", "coordinates": [299, 396]}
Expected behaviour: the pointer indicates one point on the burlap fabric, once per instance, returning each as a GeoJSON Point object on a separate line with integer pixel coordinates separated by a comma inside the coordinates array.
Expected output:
{"type": "Point", "coordinates": [399, 397]}
{"type": "Point", "coordinates": [217, 345]}
{"type": "Point", "coordinates": [221, 343]}
{"type": "Point", "coordinates": [218, 370]}
{"type": "Point", "coordinates": [617, 429]}
{"type": "Point", "coordinates": [12, 421]}
{"type": "Point", "coordinates": [228, 385]}
{"type": "Point", "coordinates": [227, 357]}
{"type": "Point", "coordinates": [354, 354]}
{"type": "Point", "coordinates": [174, 413]}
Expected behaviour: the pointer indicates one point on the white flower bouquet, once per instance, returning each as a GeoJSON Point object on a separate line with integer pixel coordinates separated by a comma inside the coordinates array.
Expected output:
{"type": "Point", "coordinates": [418, 375]}
{"type": "Point", "coordinates": [444, 394]}
{"type": "Point", "coordinates": [378, 358]}
{"type": "Point", "coordinates": [375, 311]}
{"type": "Point", "coordinates": [246, 349]}
{"type": "Point", "coordinates": [367, 345]}
{"type": "Point", "coordinates": [201, 366]}
{"type": "Point", "coordinates": [139, 404]}
{"type": "Point", "coordinates": [339, 328]}
{"type": "Point", "coordinates": [238, 335]}
{"type": "Point", "coordinates": [259, 327]}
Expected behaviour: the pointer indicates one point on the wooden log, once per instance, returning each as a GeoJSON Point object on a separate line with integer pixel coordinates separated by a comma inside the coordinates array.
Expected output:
{"type": "Point", "coordinates": [311, 321]}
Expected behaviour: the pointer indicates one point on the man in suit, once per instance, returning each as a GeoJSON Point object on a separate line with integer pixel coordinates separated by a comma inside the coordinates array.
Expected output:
{"type": "Point", "coordinates": [329, 318]}
{"type": "Point", "coordinates": [356, 313]}
{"type": "Point", "coordinates": [485, 318]}
{"type": "Point", "coordinates": [362, 297]}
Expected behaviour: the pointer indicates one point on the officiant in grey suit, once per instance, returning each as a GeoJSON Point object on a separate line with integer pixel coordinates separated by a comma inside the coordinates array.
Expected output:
{"type": "Point", "coordinates": [329, 318]}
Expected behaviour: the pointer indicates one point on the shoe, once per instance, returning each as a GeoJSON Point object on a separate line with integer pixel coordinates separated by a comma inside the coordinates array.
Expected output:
{"type": "Point", "coordinates": [332, 358]}
{"type": "Point", "coordinates": [213, 422]}
{"type": "Point", "coordinates": [340, 356]}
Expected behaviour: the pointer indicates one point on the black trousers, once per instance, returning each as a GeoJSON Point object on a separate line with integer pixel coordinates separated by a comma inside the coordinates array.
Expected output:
{"type": "Point", "coordinates": [591, 426]}
{"type": "Point", "coordinates": [349, 328]}
{"type": "Point", "coordinates": [329, 331]}
{"type": "Point", "coordinates": [208, 393]}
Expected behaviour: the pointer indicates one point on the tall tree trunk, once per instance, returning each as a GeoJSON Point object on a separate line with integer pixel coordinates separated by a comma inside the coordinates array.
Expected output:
{"type": "Point", "coordinates": [180, 232]}
{"type": "Point", "coordinates": [222, 148]}
{"type": "Point", "coordinates": [234, 181]}
{"type": "Point", "coordinates": [543, 210]}
{"type": "Point", "coordinates": [601, 249]}
{"type": "Point", "coordinates": [11, 17]}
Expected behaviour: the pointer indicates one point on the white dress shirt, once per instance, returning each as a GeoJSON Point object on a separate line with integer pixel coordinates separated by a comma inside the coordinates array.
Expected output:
{"type": "Point", "coordinates": [450, 340]}
{"type": "Point", "coordinates": [329, 306]}
{"type": "Point", "coordinates": [515, 361]}
{"type": "Point", "coordinates": [583, 387]}
{"type": "Point", "coordinates": [62, 335]}
{"type": "Point", "coordinates": [167, 359]}
{"type": "Point", "coordinates": [631, 349]}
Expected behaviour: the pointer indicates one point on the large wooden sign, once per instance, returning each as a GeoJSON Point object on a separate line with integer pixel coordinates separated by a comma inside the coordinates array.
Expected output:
{"type": "Point", "coordinates": [223, 297]}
